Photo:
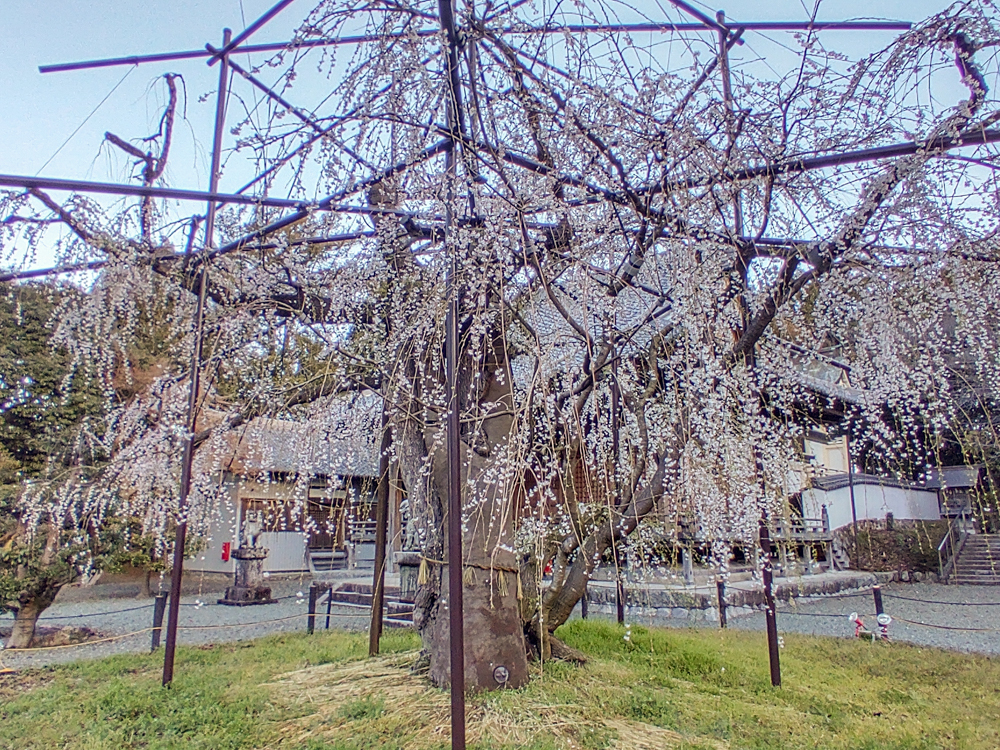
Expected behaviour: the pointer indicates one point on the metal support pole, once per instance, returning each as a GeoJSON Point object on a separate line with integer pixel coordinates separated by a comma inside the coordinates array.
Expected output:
{"type": "Point", "coordinates": [311, 617]}
{"type": "Point", "coordinates": [615, 427]}
{"type": "Point", "coordinates": [329, 606]}
{"type": "Point", "coordinates": [177, 573]}
{"type": "Point", "coordinates": [619, 590]}
{"type": "Point", "coordinates": [877, 595]}
{"type": "Point", "coordinates": [584, 603]}
{"type": "Point", "coordinates": [770, 613]}
{"type": "Point", "coordinates": [456, 624]}
{"type": "Point", "coordinates": [455, 618]}
{"type": "Point", "coordinates": [381, 528]}
{"type": "Point", "coordinates": [727, 97]}
{"type": "Point", "coordinates": [854, 508]}
{"type": "Point", "coordinates": [720, 589]}
{"type": "Point", "coordinates": [159, 606]}
{"type": "Point", "coordinates": [230, 44]}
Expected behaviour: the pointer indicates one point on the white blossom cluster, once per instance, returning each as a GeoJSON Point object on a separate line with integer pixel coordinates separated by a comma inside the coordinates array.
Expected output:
{"type": "Point", "coordinates": [633, 347]}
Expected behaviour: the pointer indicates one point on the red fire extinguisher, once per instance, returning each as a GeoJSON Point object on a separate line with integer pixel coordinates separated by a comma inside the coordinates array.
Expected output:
{"type": "Point", "coordinates": [226, 548]}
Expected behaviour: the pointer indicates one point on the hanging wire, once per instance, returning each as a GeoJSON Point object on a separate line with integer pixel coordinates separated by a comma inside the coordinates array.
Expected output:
{"type": "Point", "coordinates": [86, 119]}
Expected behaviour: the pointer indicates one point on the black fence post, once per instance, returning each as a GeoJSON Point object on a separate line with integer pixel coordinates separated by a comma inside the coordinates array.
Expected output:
{"type": "Point", "coordinates": [877, 594]}
{"type": "Point", "coordinates": [720, 587]}
{"type": "Point", "coordinates": [584, 603]}
{"type": "Point", "coordinates": [313, 595]}
{"type": "Point", "coordinates": [159, 607]}
{"type": "Point", "coordinates": [771, 611]}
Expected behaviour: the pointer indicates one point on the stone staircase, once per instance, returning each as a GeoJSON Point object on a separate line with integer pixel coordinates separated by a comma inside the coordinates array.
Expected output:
{"type": "Point", "coordinates": [979, 561]}
{"type": "Point", "coordinates": [323, 560]}
{"type": "Point", "coordinates": [396, 612]}
{"type": "Point", "coordinates": [841, 561]}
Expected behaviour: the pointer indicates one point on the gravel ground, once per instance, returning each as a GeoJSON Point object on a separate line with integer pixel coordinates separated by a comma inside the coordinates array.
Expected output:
{"type": "Point", "coordinates": [975, 608]}
{"type": "Point", "coordinates": [201, 621]}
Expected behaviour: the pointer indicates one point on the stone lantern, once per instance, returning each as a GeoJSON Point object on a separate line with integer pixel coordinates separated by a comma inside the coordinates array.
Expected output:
{"type": "Point", "coordinates": [248, 587]}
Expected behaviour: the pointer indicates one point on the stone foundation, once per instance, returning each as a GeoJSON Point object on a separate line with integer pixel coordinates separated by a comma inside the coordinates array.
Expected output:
{"type": "Point", "coordinates": [248, 588]}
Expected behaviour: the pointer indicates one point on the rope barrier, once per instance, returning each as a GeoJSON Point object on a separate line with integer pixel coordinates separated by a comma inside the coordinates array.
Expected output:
{"type": "Point", "coordinates": [93, 614]}
{"type": "Point", "coordinates": [816, 614]}
{"type": "Point", "coordinates": [143, 606]}
{"type": "Point", "coordinates": [79, 645]}
{"type": "Point", "coordinates": [180, 627]}
{"type": "Point", "coordinates": [932, 601]}
{"type": "Point", "coordinates": [247, 624]}
{"type": "Point", "coordinates": [945, 627]}
{"type": "Point", "coordinates": [865, 593]}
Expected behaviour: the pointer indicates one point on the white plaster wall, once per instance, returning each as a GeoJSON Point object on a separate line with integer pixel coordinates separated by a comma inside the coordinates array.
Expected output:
{"type": "Point", "coordinates": [287, 551]}
{"type": "Point", "coordinates": [872, 502]}
{"type": "Point", "coordinates": [222, 529]}
{"type": "Point", "coordinates": [829, 456]}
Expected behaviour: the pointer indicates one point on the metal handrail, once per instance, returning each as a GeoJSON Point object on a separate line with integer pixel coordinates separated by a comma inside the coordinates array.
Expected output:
{"type": "Point", "coordinates": [946, 561]}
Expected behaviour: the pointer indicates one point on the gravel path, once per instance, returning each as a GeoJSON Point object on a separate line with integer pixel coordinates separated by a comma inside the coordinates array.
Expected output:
{"type": "Point", "coordinates": [975, 608]}
{"type": "Point", "coordinates": [202, 621]}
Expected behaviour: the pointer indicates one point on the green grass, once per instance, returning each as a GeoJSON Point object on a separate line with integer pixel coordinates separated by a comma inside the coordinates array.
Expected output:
{"type": "Point", "coordinates": [696, 689]}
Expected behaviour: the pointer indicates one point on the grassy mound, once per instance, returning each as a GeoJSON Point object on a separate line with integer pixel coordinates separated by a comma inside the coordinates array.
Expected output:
{"type": "Point", "coordinates": [658, 689]}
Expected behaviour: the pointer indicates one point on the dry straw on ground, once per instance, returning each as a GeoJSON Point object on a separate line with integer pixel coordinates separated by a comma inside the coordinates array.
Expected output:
{"type": "Point", "coordinates": [407, 708]}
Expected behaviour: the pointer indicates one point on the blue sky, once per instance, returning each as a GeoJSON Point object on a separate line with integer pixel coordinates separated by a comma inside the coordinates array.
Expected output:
{"type": "Point", "coordinates": [42, 111]}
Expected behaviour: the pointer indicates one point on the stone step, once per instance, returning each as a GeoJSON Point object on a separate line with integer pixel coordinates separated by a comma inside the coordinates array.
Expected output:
{"type": "Point", "coordinates": [365, 600]}
{"type": "Point", "coordinates": [391, 592]}
{"type": "Point", "coordinates": [976, 573]}
{"type": "Point", "coordinates": [976, 580]}
{"type": "Point", "coordinates": [366, 588]}
{"type": "Point", "coordinates": [403, 616]}
{"type": "Point", "coordinates": [324, 560]}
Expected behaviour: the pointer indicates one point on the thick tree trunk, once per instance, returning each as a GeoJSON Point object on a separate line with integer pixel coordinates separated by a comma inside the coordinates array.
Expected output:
{"type": "Point", "coordinates": [24, 624]}
{"type": "Point", "coordinates": [495, 653]}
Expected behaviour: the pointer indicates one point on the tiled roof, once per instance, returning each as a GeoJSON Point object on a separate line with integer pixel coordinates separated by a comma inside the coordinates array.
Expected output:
{"type": "Point", "coordinates": [955, 477]}
{"type": "Point", "coordinates": [342, 441]}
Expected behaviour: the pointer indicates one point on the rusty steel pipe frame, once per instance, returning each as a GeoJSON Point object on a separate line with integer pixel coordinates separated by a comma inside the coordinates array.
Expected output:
{"type": "Point", "coordinates": [229, 46]}
{"type": "Point", "coordinates": [454, 531]}
{"type": "Point", "coordinates": [177, 573]}
{"type": "Point", "coordinates": [615, 429]}
{"type": "Point", "coordinates": [456, 622]}
{"type": "Point", "coordinates": [624, 28]}
{"type": "Point", "coordinates": [381, 532]}
{"type": "Point", "coordinates": [327, 204]}
{"type": "Point", "coordinates": [111, 188]}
